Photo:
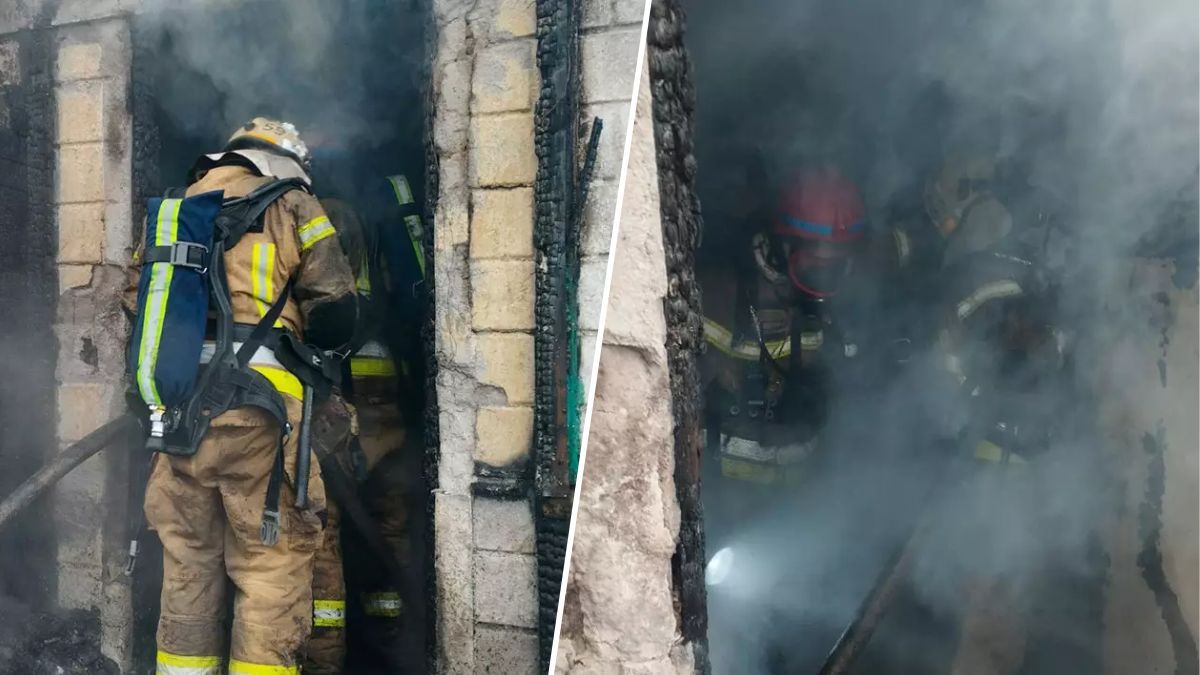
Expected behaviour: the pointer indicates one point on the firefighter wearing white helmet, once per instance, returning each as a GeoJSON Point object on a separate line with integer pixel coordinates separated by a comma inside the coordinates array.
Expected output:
{"type": "Point", "coordinates": [1000, 345]}
{"type": "Point", "coordinates": [206, 506]}
{"type": "Point", "coordinates": [272, 147]}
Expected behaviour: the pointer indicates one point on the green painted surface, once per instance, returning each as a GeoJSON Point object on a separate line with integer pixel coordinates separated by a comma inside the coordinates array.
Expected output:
{"type": "Point", "coordinates": [575, 393]}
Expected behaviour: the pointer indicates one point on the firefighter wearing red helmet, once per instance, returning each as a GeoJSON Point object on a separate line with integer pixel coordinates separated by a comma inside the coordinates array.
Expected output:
{"type": "Point", "coordinates": [776, 349]}
{"type": "Point", "coordinates": [819, 226]}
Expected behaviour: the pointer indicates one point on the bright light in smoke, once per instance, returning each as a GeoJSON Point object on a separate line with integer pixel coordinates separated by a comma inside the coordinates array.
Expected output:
{"type": "Point", "coordinates": [719, 567]}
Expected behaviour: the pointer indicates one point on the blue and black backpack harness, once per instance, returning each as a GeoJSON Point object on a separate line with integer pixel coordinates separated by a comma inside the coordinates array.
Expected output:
{"type": "Point", "coordinates": [183, 277]}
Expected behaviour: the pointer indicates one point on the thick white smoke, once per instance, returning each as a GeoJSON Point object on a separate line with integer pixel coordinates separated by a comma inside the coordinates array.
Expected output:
{"type": "Point", "coordinates": [1094, 103]}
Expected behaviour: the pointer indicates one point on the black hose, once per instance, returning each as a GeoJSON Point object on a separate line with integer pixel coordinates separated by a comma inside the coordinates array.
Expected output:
{"type": "Point", "coordinates": [63, 463]}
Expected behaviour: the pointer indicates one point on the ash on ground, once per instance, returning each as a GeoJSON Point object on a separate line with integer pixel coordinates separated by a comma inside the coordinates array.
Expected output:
{"type": "Point", "coordinates": [63, 643]}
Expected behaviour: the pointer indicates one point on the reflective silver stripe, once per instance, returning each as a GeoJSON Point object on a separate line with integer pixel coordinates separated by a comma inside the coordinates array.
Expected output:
{"type": "Point", "coordinates": [315, 230]}
{"type": "Point", "coordinates": [746, 449]}
{"type": "Point", "coordinates": [1005, 288]}
{"type": "Point", "coordinates": [373, 349]}
{"type": "Point", "coordinates": [262, 357]}
{"type": "Point", "coordinates": [903, 246]}
{"type": "Point", "coordinates": [742, 448]}
{"type": "Point", "coordinates": [404, 193]}
{"type": "Point", "coordinates": [383, 604]}
{"type": "Point", "coordinates": [415, 233]}
{"type": "Point", "coordinates": [329, 613]}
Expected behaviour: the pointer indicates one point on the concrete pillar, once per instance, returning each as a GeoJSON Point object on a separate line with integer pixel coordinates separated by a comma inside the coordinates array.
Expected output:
{"type": "Point", "coordinates": [92, 198]}
{"type": "Point", "coordinates": [620, 603]}
{"type": "Point", "coordinates": [485, 85]}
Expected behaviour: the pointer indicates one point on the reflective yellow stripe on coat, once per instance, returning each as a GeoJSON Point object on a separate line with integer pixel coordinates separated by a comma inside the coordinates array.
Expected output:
{"type": "Point", "coordinates": [315, 230]}
{"type": "Point", "coordinates": [746, 350]}
{"type": "Point", "coordinates": [412, 223]}
{"type": "Point", "coordinates": [329, 613]}
{"type": "Point", "coordinates": [175, 664]}
{"type": "Point", "coordinates": [262, 278]}
{"type": "Point", "coordinates": [244, 668]}
{"type": "Point", "coordinates": [986, 451]}
{"type": "Point", "coordinates": [157, 294]}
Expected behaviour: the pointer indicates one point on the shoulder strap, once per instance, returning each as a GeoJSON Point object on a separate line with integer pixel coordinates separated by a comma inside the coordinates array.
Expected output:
{"type": "Point", "coordinates": [240, 214]}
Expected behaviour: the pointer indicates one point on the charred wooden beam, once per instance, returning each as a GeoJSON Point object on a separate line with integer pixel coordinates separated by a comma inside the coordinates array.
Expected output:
{"type": "Point", "coordinates": [556, 240]}
{"type": "Point", "coordinates": [674, 104]}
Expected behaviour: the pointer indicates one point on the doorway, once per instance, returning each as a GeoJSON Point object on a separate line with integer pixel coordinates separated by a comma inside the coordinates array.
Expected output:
{"type": "Point", "coordinates": [797, 528]}
{"type": "Point", "coordinates": [352, 76]}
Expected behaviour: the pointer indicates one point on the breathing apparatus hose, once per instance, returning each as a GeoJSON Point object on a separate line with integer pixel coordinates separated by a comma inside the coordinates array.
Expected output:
{"type": "Point", "coordinates": [63, 463]}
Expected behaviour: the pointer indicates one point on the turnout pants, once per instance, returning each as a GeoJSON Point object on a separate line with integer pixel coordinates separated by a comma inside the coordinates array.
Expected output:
{"type": "Point", "coordinates": [385, 494]}
{"type": "Point", "coordinates": [207, 510]}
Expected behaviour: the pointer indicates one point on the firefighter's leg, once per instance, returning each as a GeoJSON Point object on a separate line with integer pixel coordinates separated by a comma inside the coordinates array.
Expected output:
{"type": "Point", "coordinates": [273, 584]}
{"type": "Point", "coordinates": [394, 470]}
{"type": "Point", "coordinates": [188, 517]}
{"type": "Point", "coordinates": [326, 652]}
{"type": "Point", "coordinates": [387, 500]}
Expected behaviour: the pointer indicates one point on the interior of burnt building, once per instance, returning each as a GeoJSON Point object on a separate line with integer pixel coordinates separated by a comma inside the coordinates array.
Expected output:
{"type": "Point", "coordinates": [350, 76]}
{"type": "Point", "coordinates": [883, 91]}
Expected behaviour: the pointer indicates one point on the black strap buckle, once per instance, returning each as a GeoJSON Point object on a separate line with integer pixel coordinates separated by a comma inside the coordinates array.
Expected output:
{"type": "Point", "coordinates": [189, 254]}
{"type": "Point", "coordinates": [180, 254]}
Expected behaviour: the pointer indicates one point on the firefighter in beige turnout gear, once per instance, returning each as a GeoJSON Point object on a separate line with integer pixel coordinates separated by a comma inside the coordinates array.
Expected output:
{"type": "Point", "coordinates": [206, 508]}
{"type": "Point", "coordinates": [374, 456]}
{"type": "Point", "coordinates": [999, 341]}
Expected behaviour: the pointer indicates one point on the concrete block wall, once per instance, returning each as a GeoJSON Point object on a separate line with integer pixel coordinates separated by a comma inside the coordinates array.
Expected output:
{"type": "Point", "coordinates": [92, 201]}
{"type": "Point", "coordinates": [485, 86]}
{"type": "Point", "coordinates": [611, 33]}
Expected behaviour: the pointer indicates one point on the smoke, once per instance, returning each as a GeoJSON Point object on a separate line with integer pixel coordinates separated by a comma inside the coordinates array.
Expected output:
{"type": "Point", "coordinates": [1090, 107]}
{"type": "Point", "coordinates": [346, 73]}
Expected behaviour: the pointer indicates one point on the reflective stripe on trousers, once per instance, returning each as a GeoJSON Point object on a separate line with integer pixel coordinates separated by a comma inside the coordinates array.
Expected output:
{"type": "Point", "coordinates": [175, 664]}
{"type": "Point", "coordinates": [386, 603]}
{"type": "Point", "coordinates": [329, 613]}
{"type": "Point", "coordinates": [372, 360]}
{"type": "Point", "coordinates": [244, 668]}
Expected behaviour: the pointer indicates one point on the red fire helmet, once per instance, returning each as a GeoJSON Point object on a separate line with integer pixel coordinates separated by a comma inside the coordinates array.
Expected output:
{"type": "Point", "coordinates": [820, 220]}
{"type": "Point", "coordinates": [821, 206]}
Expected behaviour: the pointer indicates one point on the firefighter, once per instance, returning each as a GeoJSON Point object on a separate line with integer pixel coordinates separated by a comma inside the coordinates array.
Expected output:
{"type": "Point", "coordinates": [205, 507]}
{"type": "Point", "coordinates": [781, 343]}
{"type": "Point", "coordinates": [380, 388]}
{"type": "Point", "coordinates": [1000, 343]}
